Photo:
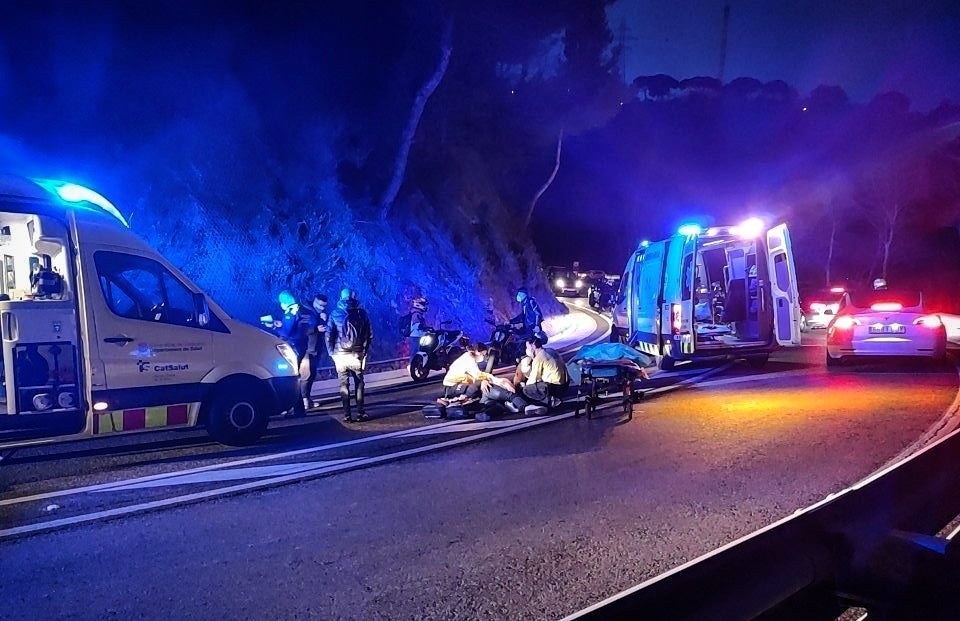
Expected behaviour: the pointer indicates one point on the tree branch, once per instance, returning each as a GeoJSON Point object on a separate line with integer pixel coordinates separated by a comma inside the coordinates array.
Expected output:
{"type": "Point", "coordinates": [553, 175]}
{"type": "Point", "coordinates": [419, 103]}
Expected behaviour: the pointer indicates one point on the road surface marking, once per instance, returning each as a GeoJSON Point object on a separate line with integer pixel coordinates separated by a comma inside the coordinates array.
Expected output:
{"type": "Point", "coordinates": [949, 421]}
{"type": "Point", "coordinates": [271, 482]}
{"type": "Point", "coordinates": [752, 378]}
{"type": "Point", "coordinates": [262, 472]}
{"type": "Point", "coordinates": [235, 474]}
{"type": "Point", "coordinates": [227, 464]}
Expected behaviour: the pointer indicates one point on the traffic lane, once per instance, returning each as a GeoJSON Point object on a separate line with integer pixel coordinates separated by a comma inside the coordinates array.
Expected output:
{"type": "Point", "coordinates": [55, 467]}
{"type": "Point", "coordinates": [71, 464]}
{"type": "Point", "coordinates": [46, 506]}
{"type": "Point", "coordinates": [535, 525]}
{"type": "Point", "coordinates": [62, 465]}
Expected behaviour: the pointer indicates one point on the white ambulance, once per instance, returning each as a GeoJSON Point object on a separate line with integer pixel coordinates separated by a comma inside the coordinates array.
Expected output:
{"type": "Point", "coordinates": [101, 335]}
{"type": "Point", "coordinates": [727, 291]}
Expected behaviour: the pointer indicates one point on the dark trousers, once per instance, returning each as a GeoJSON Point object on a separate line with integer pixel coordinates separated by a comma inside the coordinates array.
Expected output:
{"type": "Point", "coordinates": [469, 390]}
{"type": "Point", "coordinates": [348, 366]}
{"type": "Point", "coordinates": [500, 395]}
{"type": "Point", "coordinates": [540, 392]}
{"type": "Point", "coordinates": [308, 374]}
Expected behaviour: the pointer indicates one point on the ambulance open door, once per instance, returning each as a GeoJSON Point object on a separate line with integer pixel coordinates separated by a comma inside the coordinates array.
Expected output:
{"type": "Point", "coordinates": [783, 286]}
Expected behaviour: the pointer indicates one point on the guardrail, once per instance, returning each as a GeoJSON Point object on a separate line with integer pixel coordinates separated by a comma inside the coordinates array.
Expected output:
{"type": "Point", "coordinates": [873, 546]}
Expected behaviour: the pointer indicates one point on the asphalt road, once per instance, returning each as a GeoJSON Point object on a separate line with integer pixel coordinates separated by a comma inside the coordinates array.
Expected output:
{"type": "Point", "coordinates": [532, 524]}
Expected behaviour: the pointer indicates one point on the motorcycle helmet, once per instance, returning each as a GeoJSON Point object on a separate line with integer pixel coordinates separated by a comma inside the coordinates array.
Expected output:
{"type": "Point", "coordinates": [286, 300]}
{"type": "Point", "coordinates": [419, 304]}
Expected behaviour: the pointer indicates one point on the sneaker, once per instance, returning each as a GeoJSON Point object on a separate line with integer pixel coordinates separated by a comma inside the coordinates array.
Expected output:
{"type": "Point", "coordinates": [347, 418]}
{"type": "Point", "coordinates": [555, 402]}
{"type": "Point", "coordinates": [534, 410]}
{"type": "Point", "coordinates": [362, 416]}
{"type": "Point", "coordinates": [482, 417]}
{"type": "Point", "coordinates": [510, 407]}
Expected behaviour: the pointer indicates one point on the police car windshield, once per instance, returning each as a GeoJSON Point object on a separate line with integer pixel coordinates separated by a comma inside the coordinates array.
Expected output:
{"type": "Point", "coordinates": [866, 299]}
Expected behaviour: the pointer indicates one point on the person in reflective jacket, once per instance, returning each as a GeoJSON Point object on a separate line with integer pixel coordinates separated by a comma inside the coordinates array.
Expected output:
{"type": "Point", "coordinates": [529, 322]}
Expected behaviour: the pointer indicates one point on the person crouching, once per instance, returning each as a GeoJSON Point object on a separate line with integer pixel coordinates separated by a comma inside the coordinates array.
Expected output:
{"type": "Point", "coordinates": [548, 380]}
{"type": "Point", "coordinates": [464, 375]}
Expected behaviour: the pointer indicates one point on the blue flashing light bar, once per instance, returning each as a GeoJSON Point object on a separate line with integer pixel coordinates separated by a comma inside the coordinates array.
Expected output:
{"type": "Point", "coordinates": [78, 194]}
{"type": "Point", "coordinates": [689, 230]}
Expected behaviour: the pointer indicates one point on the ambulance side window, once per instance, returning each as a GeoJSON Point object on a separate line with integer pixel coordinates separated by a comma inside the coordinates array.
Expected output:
{"type": "Point", "coordinates": [687, 277]}
{"type": "Point", "coordinates": [140, 288]}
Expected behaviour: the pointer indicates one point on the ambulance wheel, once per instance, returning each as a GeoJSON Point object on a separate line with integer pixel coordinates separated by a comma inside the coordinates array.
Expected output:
{"type": "Point", "coordinates": [667, 363]}
{"type": "Point", "coordinates": [236, 415]}
{"type": "Point", "coordinates": [418, 368]}
{"type": "Point", "coordinates": [833, 362]}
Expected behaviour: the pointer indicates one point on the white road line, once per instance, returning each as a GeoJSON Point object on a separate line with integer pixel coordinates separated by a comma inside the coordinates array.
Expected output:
{"type": "Point", "coordinates": [228, 464]}
{"type": "Point", "coordinates": [262, 472]}
{"type": "Point", "coordinates": [689, 380]}
{"type": "Point", "coordinates": [234, 474]}
{"type": "Point", "coordinates": [752, 378]}
{"type": "Point", "coordinates": [949, 421]}
{"type": "Point", "coordinates": [253, 485]}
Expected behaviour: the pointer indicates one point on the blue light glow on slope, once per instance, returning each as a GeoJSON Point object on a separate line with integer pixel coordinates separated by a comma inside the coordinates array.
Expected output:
{"type": "Point", "coordinates": [78, 194]}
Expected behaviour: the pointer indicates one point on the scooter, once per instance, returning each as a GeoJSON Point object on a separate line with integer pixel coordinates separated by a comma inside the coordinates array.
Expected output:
{"type": "Point", "coordinates": [437, 351]}
{"type": "Point", "coordinates": [505, 345]}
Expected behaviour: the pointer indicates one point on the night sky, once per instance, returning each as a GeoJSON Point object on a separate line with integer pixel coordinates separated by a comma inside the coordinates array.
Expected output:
{"type": "Point", "coordinates": [865, 47]}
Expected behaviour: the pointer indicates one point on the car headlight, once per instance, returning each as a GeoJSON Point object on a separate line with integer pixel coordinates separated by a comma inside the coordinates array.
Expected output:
{"type": "Point", "coordinates": [578, 284]}
{"type": "Point", "coordinates": [561, 283]}
{"type": "Point", "coordinates": [289, 356]}
{"type": "Point", "coordinates": [426, 340]}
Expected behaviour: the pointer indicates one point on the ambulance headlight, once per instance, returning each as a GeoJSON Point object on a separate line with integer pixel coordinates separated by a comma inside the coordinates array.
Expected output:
{"type": "Point", "coordinates": [289, 357]}
{"type": "Point", "coordinates": [42, 402]}
{"type": "Point", "coordinates": [426, 340]}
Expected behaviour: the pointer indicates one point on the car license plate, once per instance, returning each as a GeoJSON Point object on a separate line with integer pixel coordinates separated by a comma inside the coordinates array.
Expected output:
{"type": "Point", "coordinates": [895, 329]}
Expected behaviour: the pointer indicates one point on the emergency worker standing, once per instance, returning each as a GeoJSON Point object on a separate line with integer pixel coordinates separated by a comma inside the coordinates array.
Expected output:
{"type": "Point", "coordinates": [297, 327]}
{"type": "Point", "coordinates": [317, 347]}
{"type": "Point", "coordinates": [348, 340]}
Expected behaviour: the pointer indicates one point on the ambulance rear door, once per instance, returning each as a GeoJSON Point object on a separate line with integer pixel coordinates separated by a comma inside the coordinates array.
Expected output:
{"type": "Point", "coordinates": [783, 286]}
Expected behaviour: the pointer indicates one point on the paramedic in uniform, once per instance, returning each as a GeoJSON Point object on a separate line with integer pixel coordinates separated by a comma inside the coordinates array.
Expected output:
{"type": "Point", "coordinates": [298, 327]}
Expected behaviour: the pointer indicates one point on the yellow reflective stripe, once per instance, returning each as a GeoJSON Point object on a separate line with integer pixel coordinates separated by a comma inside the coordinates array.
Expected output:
{"type": "Point", "coordinates": [108, 422]}
{"type": "Point", "coordinates": [157, 416]}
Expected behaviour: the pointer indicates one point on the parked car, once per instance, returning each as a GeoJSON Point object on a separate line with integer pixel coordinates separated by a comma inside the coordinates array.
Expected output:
{"type": "Point", "coordinates": [819, 308]}
{"type": "Point", "coordinates": [884, 323]}
{"type": "Point", "coordinates": [565, 282]}
{"type": "Point", "coordinates": [603, 292]}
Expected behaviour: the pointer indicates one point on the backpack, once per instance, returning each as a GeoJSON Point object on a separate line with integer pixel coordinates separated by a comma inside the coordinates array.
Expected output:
{"type": "Point", "coordinates": [356, 330]}
{"type": "Point", "coordinates": [404, 324]}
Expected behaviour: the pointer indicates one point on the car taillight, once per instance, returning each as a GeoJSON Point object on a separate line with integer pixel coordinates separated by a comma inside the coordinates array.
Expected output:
{"type": "Point", "coordinates": [677, 317]}
{"type": "Point", "coordinates": [845, 323]}
{"type": "Point", "coordinates": [929, 321]}
{"type": "Point", "coordinates": [887, 307]}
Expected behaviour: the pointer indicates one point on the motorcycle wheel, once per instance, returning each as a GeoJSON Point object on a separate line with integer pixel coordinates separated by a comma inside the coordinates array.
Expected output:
{"type": "Point", "coordinates": [419, 370]}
